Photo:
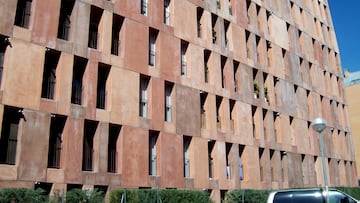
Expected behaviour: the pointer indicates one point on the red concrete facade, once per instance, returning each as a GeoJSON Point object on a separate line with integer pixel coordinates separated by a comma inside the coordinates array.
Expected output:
{"type": "Point", "coordinates": [195, 94]}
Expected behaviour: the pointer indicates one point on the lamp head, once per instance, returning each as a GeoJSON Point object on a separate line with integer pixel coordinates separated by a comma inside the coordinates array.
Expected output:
{"type": "Point", "coordinates": [318, 124]}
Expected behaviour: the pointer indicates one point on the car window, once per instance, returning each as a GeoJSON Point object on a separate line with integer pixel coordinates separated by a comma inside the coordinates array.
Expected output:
{"type": "Point", "coordinates": [338, 197]}
{"type": "Point", "coordinates": [299, 197]}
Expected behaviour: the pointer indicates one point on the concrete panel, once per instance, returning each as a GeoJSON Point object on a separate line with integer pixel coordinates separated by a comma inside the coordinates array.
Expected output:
{"type": "Point", "coordinates": [185, 27]}
{"type": "Point", "coordinates": [80, 24]}
{"type": "Point", "coordinates": [27, 73]}
{"type": "Point", "coordinates": [72, 144]}
{"type": "Point", "coordinates": [278, 31]}
{"type": "Point", "coordinates": [169, 51]}
{"type": "Point", "coordinates": [157, 104]}
{"type": "Point", "coordinates": [34, 142]}
{"type": "Point", "coordinates": [136, 44]}
{"type": "Point", "coordinates": [135, 157]}
{"type": "Point", "coordinates": [44, 31]}
{"type": "Point", "coordinates": [125, 100]}
{"type": "Point", "coordinates": [201, 166]}
{"type": "Point", "coordinates": [187, 111]}
{"type": "Point", "coordinates": [7, 11]}
{"type": "Point", "coordinates": [171, 157]}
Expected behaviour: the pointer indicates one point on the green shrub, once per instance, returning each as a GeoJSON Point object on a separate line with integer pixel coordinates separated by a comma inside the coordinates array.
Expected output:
{"type": "Point", "coordinates": [166, 196]}
{"type": "Point", "coordinates": [250, 196]}
{"type": "Point", "coordinates": [22, 195]}
{"type": "Point", "coordinates": [88, 196]}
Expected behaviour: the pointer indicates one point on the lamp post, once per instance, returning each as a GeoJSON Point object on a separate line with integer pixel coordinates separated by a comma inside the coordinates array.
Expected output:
{"type": "Point", "coordinates": [319, 124]}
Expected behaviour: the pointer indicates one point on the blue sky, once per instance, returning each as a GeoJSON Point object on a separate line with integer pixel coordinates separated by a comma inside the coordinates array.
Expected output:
{"type": "Point", "coordinates": [346, 20]}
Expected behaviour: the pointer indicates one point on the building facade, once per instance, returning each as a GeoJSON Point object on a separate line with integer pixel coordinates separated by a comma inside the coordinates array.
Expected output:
{"type": "Point", "coordinates": [196, 94]}
{"type": "Point", "coordinates": [352, 88]}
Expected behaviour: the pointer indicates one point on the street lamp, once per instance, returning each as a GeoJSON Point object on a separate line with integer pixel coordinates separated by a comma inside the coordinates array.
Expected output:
{"type": "Point", "coordinates": [319, 124]}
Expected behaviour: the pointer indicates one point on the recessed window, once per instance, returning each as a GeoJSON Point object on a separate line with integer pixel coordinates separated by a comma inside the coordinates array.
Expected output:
{"type": "Point", "coordinates": [168, 100]}
{"type": "Point", "coordinates": [144, 7]}
{"type": "Point", "coordinates": [95, 17]}
{"type": "Point", "coordinates": [4, 42]}
{"type": "Point", "coordinates": [167, 12]}
{"type": "Point", "coordinates": [199, 13]}
{"type": "Point", "coordinates": [23, 13]}
{"type": "Point", "coordinates": [211, 151]}
{"type": "Point", "coordinates": [184, 47]}
{"type": "Point", "coordinates": [152, 46]}
{"type": "Point", "coordinates": [114, 132]}
{"type": "Point", "coordinates": [153, 140]}
{"type": "Point", "coordinates": [77, 79]}
{"type": "Point", "coordinates": [49, 74]}
{"type": "Point", "coordinates": [187, 161]}
{"type": "Point", "coordinates": [9, 134]}
{"type": "Point", "coordinates": [143, 96]}
{"type": "Point", "coordinates": [65, 19]}
{"type": "Point", "coordinates": [88, 144]}
{"type": "Point", "coordinates": [55, 140]}
{"type": "Point", "coordinates": [103, 74]}
{"type": "Point", "coordinates": [115, 37]}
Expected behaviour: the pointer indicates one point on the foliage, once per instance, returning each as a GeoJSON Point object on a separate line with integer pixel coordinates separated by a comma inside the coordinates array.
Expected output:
{"type": "Point", "coordinates": [88, 196]}
{"type": "Point", "coordinates": [22, 195]}
{"type": "Point", "coordinates": [250, 196]}
{"type": "Point", "coordinates": [166, 195]}
{"type": "Point", "coordinates": [256, 88]}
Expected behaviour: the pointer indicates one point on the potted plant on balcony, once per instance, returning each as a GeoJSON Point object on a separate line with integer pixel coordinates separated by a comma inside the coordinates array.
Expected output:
{"type": "Point", "coordinates": [256, 89]}
{"type": "Point", "coordinates": [266, 94]}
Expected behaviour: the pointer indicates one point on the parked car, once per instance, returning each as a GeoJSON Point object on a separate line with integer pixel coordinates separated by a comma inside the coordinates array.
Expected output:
{"type": "Point", "coordinates": [314, 195]}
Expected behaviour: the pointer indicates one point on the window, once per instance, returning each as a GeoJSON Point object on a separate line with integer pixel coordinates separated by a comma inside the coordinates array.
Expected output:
{"type": "Point", "coordinates": [241, 166]}
{"type": "Point", "coordinates": [232, 114]}
{"type": "Point", "coordinates": [214, 28]}
{"type": "Point", "coordinates": [261, 157]}
{"type": "Point", "coordinates": [144, 83]}
{"type": "Point", "coordinates": [167, 12]}
{"type": "Point", "coordinates": [4, 42]}
{"type": "Point", "coordinates": [236, 76]}
{"type": "Point", "coordinates": [115, 38]}
{"type": "Point", "coordinates": [211, 145]}
{"type": "Point", "coordinates": [9, 133]}
{"type": "Point", "coordinates": [218, 106]}
{"type": "Point", "coordinates": [186, 145]}
{"type": "Point", "coordinates": [23, 13]}
{"type": "Point", "coordinates": [206, 67]}
{"type": "Point", "coordinates": [228, 147]}
{"type": "Point", "coordinates": [78, 73]}
{"type": "Point", "coordinates": [114, 132]}
{"type": "Point", "coordinates": [49, 74]}
{"type": "Point", "coordinates": [153, 137]}
{"type": "Point", "coordinates": [199, 12]}
{"type": "Point", "coordinates": [226, 27]}
{"type": "Point", "coordinates": [168, 94]}
{"type": "Point", "coordinates": [65, 19]}
{"type": "Point", "coordinates": [55, 140]}
{"type": "Point", "coordinates": [103, 73]}
{"type": "Point", "coordinates": [230, 8]}
{"type": "Point", "coordinates": [88, 144]}
{"type": "Point", "coordinates": [144, 7]}
{"type": "Point", "coordinates": [184, 47]}
{"type": "Point", "coordinates": [152, 46]}
{"type": "Point", "coordinates": [203, 97]}
{"type": "Point", "coordinates": [95, 17]}
{"type": "Point", "coordinates": [223, 62]}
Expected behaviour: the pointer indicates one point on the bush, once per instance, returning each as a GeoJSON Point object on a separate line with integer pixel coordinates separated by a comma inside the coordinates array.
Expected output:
{"type": "Point", "coordinates": [250, 196]}
{"type": "Point", "coordinates": [166, 196]}
{"type": "Point", "coordinates": [88, 196]}
{"type": "Point", "coordinates": [22, 195]}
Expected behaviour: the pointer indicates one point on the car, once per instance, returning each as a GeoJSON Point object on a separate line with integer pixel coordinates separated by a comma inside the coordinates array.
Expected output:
{"type": "Point", "coordinates": [310, 195]}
